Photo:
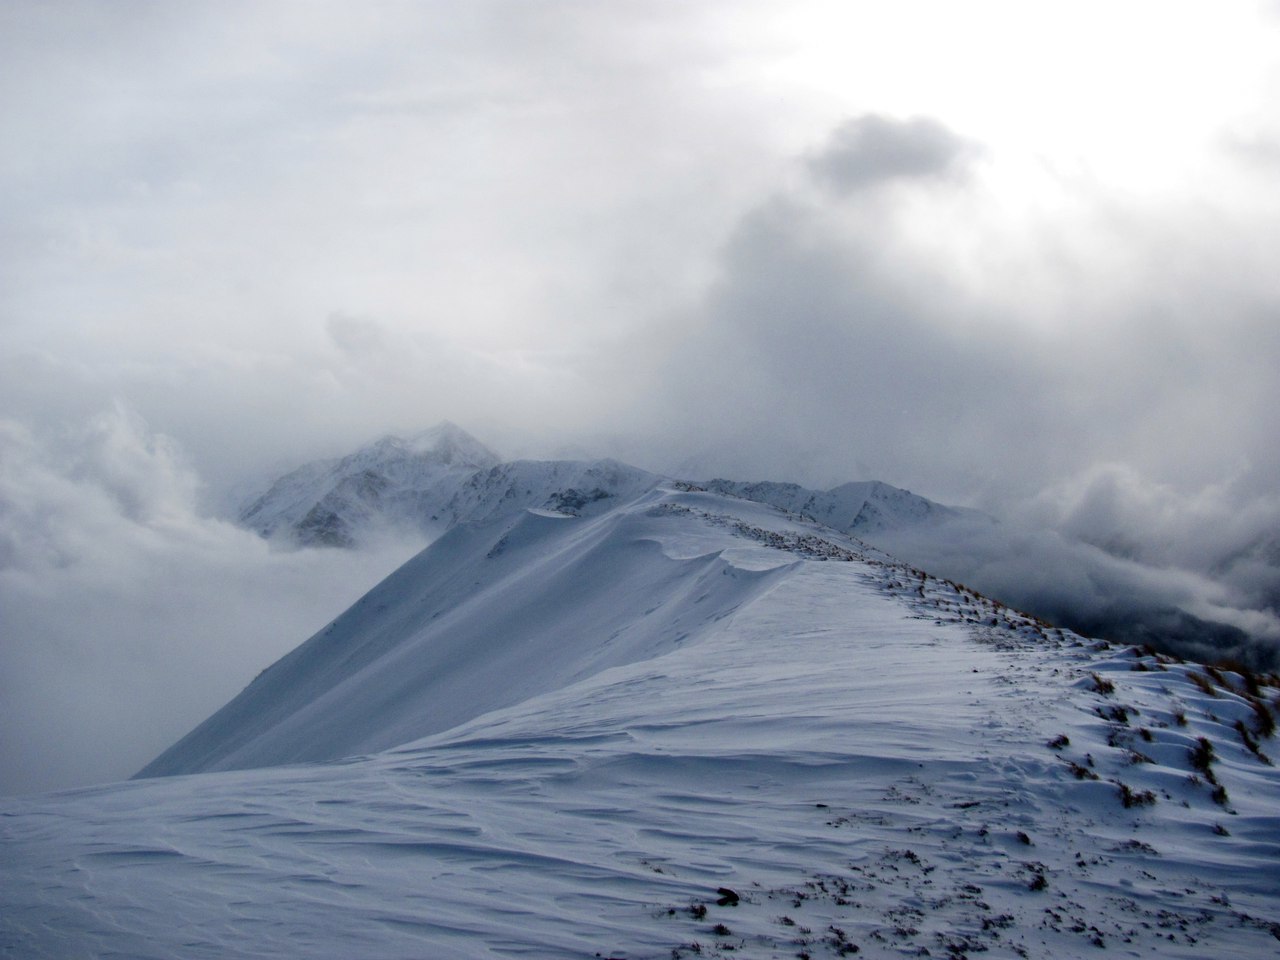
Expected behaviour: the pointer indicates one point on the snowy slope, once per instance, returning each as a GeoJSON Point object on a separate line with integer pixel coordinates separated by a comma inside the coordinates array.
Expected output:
{"type": "Point", "coordinates": [489, 615]}
{"type": "Point", "coordinates": [718, 731]}
{"type": "Point", "coordinates": [390, 482]}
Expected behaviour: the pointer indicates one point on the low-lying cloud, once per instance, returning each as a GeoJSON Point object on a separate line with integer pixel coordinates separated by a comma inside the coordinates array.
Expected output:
{"type": "Point", "coordinates": [128, 616]}
{"type": "Point", "coordinates": [1188, 612]}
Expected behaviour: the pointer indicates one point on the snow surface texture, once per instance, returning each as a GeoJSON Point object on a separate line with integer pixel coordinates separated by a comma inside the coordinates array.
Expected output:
{"type": "Point", "coordinates": [688, 726]}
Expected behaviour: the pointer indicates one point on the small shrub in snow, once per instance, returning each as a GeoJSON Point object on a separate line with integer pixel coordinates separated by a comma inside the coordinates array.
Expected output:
{"type": "Point", "coordinates": [1264, 721]}
{"type": "Point", "coordinates": [1252, 682]}
{"type": "Point", "coordinates": [1082, 772]}
{"type": "Point", "coordinates": [1135, 798]}
{"type": "Point", "coordinates": [1116, 714]}
{"type": "Point", "coordinates": [1202, 757]}
{"type": "Point", "coordinates": [1251, 744]}
{"type": "Point", "coordinates": [839, 941]}
{"type": "Point", "coordinates": [1102, 685]}
{"type": "Point", "coordinates": [1204, 683]}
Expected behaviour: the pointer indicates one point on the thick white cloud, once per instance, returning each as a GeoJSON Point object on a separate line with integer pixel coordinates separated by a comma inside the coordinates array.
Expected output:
{"type": "Point", "coordinates": [127, 616]}
{"type": "Point", "coordinates": [1124, 433]}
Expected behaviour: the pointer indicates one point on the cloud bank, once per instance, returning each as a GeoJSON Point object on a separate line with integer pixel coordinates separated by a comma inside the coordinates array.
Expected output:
{"type": "Point", "coordinates": [1121, 435]}
{"type": "Point", "coordinates": [814, 243]}
{"type": "Point", "coordinates": [128, 616]}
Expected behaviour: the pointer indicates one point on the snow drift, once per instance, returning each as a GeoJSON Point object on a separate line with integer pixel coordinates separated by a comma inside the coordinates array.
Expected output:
{"type": "Point", "coordinates": [489, 615]}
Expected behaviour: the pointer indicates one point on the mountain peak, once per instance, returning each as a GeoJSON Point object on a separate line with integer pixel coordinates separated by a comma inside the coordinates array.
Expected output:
{"type": "Point", "coordinates": [452, 444]}
{"type": "Point", "coordinates": [425, 484]}
{"type": "Point", "coordinates": [393, 481]}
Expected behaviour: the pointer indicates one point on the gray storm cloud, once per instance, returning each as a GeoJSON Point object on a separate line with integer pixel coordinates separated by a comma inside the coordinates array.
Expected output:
{"type": "Point", "coordinates": [1130, 461]}
{"type": "Point", "coordinates": [875, 149]}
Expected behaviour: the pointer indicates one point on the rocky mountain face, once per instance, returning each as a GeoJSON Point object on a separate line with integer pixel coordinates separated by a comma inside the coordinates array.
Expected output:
{"type": "Point", "coordinates": [392, 482]}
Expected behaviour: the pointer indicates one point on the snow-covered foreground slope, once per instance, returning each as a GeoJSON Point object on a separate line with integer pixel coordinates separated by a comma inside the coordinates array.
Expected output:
{"type": "Point", "coordinates": [818, 754]}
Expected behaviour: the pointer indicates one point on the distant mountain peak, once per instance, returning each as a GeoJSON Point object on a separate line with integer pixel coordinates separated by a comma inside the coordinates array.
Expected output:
{"type": "Point", "coordinates": [428, 481]}
{"type": "Point", "coordinates": [452, 443]}
{"type": "Point", "coordinates": [392, 481]}
{"type": "Point", "coordinates": [424, 484]}
{"type": "Point", "coordinates": [861, 507]}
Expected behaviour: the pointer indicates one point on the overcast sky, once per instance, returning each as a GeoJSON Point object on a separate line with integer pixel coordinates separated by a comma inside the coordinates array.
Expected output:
{"type": "Point", "coordinates": [1016, 256]}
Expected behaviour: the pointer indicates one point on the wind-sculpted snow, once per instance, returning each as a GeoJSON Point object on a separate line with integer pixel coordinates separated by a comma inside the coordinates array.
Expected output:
{"type": "Point", "coordinates": [487, 616]}
{"type": "Point", "coordinates": [820, 753]}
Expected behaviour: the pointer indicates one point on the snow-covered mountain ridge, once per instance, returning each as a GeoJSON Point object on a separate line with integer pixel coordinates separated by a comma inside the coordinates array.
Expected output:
{"type": "Point", "coordinates": [374, 493]}
{"type": "Point", "coordinates": [689, 725]}
{"type": "Point", "coordinates": [445, 476]}
{"type": "Point", "coordinates": [491, 614]}
{"type": "Point", "coordinates": [389, 482]}
{"type": "Point", "coordinates": [860, 508]}
{"type": "Point", "coordinates": [538, 594]}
